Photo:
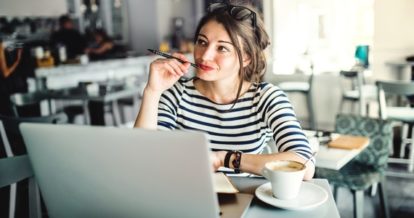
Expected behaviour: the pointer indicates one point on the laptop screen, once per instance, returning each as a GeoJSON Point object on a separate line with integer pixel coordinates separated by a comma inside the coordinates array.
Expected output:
{"type": "Point", "coordinates": [86, 171]}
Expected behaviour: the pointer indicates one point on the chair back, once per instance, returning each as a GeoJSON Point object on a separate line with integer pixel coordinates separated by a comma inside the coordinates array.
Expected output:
{"type": "Point", "coordinates": [355, 78]}
{"type": "Point", "coordinates": [12, 171]}
{"type": "Point", "coordinates": [378, 131]}
{"type": "Point", "coordinates": [396, 88]}
{"type": "Point", "coordinates": [12, 132]}
{"type": "Point", "coordinates": [28, 99]}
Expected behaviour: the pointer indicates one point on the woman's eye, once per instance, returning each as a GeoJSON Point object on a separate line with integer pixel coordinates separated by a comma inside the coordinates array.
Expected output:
{"type": "Point", "coordinates": [201, 42]}
{"type": "Point", "coordinates": [223, 49]}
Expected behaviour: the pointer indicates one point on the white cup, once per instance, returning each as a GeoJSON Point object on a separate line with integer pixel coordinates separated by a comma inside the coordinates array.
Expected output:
{"type": "Point", "coordinates": [84, 59]}
{"type": "Point", "coordinates": [285, 177]}
{"type": "Point", "coordinates": [92, 89]}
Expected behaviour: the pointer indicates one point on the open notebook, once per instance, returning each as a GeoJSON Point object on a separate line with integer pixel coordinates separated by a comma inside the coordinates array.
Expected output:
{"type": "Point", "coordinates": [222, 184]}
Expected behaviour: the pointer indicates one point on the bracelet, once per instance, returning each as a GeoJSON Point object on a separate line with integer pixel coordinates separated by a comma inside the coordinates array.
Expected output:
{"type": "Point", "coordinates": [237, 160]}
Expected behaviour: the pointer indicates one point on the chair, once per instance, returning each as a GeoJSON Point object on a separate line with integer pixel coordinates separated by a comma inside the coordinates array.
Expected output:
{"type": "Point", "coordinates": [306, 89]}
{"type": "Point", "coordinates": [15, 168]}
{"type": "Point", "coordinates": [403, 114]}
{"type": "Point", "coordinates": [368, 168]}
{"type": "Point", "coordinates": [30, 100]}
{"type": "Point", "coordinates": [360, 93]}
{"type": "Point", "coordinates": [12, 131]}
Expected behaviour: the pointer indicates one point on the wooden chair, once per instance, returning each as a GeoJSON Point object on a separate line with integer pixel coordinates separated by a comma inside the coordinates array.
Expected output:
{"type": "Point", "coordinates": [368, 168]}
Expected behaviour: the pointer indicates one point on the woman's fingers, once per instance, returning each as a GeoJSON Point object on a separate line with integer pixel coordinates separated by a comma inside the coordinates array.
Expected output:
{"type": "Point", "coordinates": [186, 64]}
{"type": "Point", "coordinates": [180, 56]}
{"type": "Point", "coordinates": [171, 65]}
{"type": "Point", "coordinates": [180, 67]}
{"type": "Point", "coordinates": [171, 69]}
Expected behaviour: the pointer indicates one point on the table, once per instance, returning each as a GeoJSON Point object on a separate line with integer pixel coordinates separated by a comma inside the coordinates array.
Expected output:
{"type": "Point", "coordinates": [261, 209]}
{"type": "Point", "coordinates": [101, 98]}
{"type": "Point", "coordinates": [335, 158]}
{"type": "Point", "coordinates": [399, 67]}
{"type": "Point", "coordinates": [67, 76]}
{"type": "Point", "coordinates": [332, 158]}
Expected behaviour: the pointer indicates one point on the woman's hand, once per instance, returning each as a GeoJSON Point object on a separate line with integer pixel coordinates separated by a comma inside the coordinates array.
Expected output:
{"type": "Point", "coordinates": [217, 159]}
{"type": "Point", "coordinates": [165, 72]}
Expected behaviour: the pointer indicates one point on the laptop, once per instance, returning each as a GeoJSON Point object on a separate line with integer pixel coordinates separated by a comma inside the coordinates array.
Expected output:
{"type": "Point", "coordinates": [85, 171]}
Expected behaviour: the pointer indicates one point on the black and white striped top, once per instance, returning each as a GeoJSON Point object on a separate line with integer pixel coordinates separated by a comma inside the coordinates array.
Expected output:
{"type": "Point", "coordinates": [261, 113]}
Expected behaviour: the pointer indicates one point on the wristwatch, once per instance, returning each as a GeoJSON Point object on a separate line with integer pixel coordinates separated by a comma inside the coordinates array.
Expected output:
{"type": "Point", "coordinates": [236, 161]}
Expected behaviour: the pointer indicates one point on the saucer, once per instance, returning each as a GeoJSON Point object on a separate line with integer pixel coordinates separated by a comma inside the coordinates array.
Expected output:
{"type": "Point", "coordinates": [310, 195]}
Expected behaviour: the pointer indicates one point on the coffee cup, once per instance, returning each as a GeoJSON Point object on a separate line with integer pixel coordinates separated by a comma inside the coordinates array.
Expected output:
{"type": "Point", "coordinates": [285, 177]}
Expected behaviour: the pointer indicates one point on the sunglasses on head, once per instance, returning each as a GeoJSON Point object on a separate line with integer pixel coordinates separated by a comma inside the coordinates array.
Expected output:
{"type": "Point", "coordinates": [239, 13]}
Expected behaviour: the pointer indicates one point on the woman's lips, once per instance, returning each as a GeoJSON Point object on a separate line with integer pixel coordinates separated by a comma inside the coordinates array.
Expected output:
{"type": "Point", "coordinates": [205, 67]}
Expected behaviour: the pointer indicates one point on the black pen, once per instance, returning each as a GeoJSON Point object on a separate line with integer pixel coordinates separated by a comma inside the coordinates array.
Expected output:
{"type": "Point", "coordinates": [170, 56]}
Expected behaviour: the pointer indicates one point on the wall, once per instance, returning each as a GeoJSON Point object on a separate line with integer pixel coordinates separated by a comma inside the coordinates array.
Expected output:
{"type": "Point", "coordinates": [143, 19]}
{"type": "Point", "coordinates": [393, 36]}
{"type": "Point", "coordinates": [32, 7]}
{"type": "Point", "coordinates": [151, 21]}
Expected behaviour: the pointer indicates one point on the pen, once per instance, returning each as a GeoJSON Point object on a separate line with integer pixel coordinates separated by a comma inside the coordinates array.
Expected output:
{"type": "Point", "coordinates": [170, 56]}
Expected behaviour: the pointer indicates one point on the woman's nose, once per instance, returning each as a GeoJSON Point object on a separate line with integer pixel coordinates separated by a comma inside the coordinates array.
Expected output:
{"type": "Point", "coordinates": [208, 53]}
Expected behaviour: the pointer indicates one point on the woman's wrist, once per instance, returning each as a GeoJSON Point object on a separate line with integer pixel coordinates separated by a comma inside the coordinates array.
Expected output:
{"type": "Point", "coordinates": [221, 155]}
{"type": "Point", "coordinates": [152, 93]}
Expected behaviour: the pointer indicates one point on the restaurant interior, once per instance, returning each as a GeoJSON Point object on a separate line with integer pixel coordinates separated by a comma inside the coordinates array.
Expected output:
{"type": "Point", "coordinates": [88, 62]}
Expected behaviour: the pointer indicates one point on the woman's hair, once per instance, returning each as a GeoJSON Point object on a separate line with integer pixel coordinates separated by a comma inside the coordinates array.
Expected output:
{"type": "Point", "coordinates": [254, 41]}
{"type": "Point", "coordinates": [101, 32]}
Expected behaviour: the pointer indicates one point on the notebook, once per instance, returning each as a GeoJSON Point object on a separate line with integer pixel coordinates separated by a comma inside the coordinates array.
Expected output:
{"type": "Point", "coordinates": [222, 184]}
{"type": "Point", "coordinates": [85, 171]}
{"type": "Point", "coordinates": [349, 142]}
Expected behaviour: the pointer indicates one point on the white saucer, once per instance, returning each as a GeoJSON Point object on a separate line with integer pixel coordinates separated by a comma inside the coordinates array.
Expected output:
{"type": "Point", "coordinates": [310, 195]}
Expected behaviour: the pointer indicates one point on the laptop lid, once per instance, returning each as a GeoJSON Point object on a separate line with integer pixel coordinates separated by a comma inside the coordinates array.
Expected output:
{"type": "Point", "coordinates": [86, 171]}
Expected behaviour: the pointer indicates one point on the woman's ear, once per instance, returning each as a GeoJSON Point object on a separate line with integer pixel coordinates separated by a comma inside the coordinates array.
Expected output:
{"type": "Point", "coordinates": [246, 60]}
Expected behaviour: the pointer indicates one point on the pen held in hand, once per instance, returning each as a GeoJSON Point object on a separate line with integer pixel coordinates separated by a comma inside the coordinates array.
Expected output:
{"type": "Point", "coordinates": [170, 56]}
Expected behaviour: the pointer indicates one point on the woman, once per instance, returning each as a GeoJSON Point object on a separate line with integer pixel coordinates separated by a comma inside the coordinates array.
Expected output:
{"type": "Point", "coordinates": [226, 99]}
{"type": "Point", "coordinates": [101, 47]}
{"type": "Point", "coordinates": [6, 80]}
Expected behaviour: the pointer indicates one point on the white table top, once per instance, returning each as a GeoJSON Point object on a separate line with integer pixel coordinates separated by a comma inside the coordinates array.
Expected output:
{"type": "Point", "coordinates": [335, 158]}
{"type": "Point", "coordinates": [332, 158]}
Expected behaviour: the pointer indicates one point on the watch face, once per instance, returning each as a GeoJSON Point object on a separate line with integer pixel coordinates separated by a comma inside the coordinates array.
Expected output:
{"type": "Point", "coordinates": [236, 161]}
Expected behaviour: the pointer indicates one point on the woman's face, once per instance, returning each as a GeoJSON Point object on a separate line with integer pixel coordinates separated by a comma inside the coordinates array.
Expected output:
{"type": "Point", "coordinates": [98, 38]}
{"type": "Point", "coordinates": [215, 54]}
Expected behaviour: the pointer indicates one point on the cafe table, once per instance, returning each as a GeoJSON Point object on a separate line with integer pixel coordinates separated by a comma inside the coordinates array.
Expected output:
{"type": "Point", "coordinates": [110, 96]}
{"type": "Point", "coordinates": [260, 209]}
{"type": "Point", "coordinates": [332, 158]}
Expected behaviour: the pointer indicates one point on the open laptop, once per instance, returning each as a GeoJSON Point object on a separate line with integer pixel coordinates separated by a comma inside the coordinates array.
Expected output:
{"type": "Point", "coordinates": [85, 171]}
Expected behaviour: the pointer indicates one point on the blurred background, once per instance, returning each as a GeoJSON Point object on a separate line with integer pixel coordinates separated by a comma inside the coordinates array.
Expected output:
{"type": "Point", "coordinates": [89, 59]}
{"type": "Point", "coordinates": [324, 34]}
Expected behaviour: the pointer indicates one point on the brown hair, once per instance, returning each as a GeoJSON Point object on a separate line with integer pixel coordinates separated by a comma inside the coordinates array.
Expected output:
{"type": "Point", "coordinates": [253, 38]}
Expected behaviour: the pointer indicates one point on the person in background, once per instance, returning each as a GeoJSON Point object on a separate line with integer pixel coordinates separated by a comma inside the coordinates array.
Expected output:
{"type": "Point", "coordinates": [101, 47]}
{"type": "Point", "coordinates": [227, 98]}
{"type": "Point", "coordinates": [7, 78]}
{"type": "Point", "coordinates": [69, 37]}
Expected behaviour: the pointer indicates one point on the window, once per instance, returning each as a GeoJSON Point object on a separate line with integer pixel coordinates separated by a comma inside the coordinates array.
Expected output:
{"type": "Point", "coordinates": [324, 31]}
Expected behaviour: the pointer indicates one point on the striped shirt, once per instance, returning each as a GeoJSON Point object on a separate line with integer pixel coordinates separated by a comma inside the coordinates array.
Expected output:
{"type": "Point", "coordinates": [261, 113]}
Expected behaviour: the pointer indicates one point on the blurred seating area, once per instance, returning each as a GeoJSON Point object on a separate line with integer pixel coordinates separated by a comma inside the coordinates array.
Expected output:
{"type": "Point", "coordinates": [88, 59]}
